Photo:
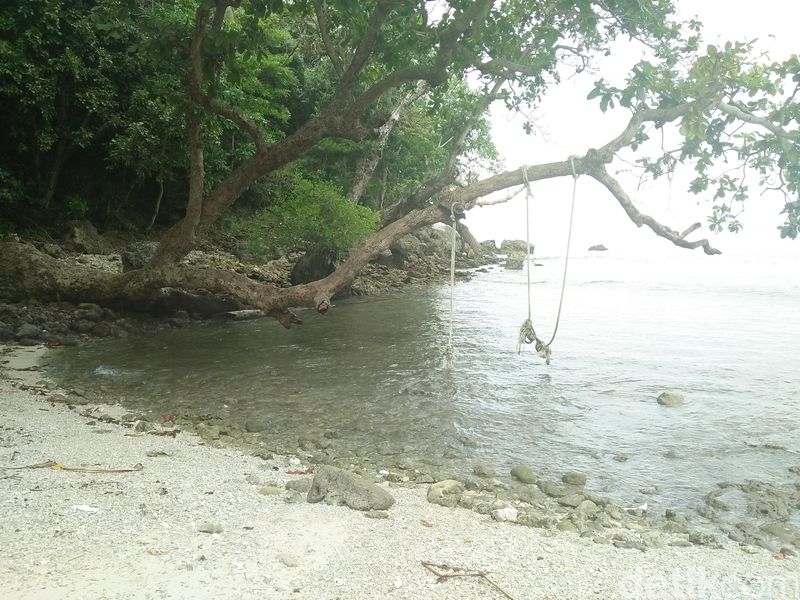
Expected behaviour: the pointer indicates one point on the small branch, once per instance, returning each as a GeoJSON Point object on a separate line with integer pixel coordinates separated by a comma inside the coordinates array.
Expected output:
{"type": "Point", "coordinates": [194, 81]}
{"type": "Point", "coordinates": [321, 11]}
{"type": "Point", "coordinates": [748, 117]}
{"type": "Point", "coordinates": [612, 185]}
{"type": "Point", "coordinates": [445, 572]}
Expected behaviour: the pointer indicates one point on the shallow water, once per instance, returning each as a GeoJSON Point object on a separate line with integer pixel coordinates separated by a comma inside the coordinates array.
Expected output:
{"type": "Point", "coordinates": [725, 331]}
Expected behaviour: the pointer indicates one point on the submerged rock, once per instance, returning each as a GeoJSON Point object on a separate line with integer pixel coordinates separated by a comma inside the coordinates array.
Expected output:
{"type": "Point", "coordinates": [338, 487]}
{"type": "Point", "coordinates": [670, 399]}
{"type": "Point", "coordinates": [515, 261]}
{"type": "Point", "coordinates": [574, 478]}
{"type": "Point", "coordinates": [523, 474]}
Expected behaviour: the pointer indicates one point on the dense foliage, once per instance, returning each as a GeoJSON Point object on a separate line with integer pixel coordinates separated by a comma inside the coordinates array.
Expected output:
{"type": "Point", "coordinates": [96, 98]}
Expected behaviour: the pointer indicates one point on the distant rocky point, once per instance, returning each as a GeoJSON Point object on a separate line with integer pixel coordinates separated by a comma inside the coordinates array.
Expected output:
{"type": "Point", "coordinates": [597, 248]}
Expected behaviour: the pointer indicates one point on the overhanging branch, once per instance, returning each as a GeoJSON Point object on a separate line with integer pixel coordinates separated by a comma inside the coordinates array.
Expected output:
{"type": "Point", "coordinates": [639, 218]}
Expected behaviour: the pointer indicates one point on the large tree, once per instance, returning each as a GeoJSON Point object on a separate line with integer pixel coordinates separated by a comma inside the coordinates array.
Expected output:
{"type": "Point", "coordinates": [387, 60]}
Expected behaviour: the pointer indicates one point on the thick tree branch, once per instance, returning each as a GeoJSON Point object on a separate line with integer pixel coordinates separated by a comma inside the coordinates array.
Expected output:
{"type": "Point", "coordinates": [639, 219]}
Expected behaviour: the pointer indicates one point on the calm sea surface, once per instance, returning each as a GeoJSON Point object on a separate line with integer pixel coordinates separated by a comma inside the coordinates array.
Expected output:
{"type": "Point", "coordinates": [724, 331]}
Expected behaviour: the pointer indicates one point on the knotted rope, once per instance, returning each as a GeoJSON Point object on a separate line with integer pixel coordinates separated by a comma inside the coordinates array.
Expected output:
{"type": "Point", "coordinates": [527, 333]}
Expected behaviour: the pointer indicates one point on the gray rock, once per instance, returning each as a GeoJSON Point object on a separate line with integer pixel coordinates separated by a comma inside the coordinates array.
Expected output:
{"type": "Point", "coordinates": [484, 471]}
{"type": "Point", "coordinates": [288, 560]}
{"type": "Point", "coordinates": [515, 261]}
{"type": "Point", "coordinates": [299, 485]}
{"type": "Point", "coordinates": [210, 528]}
{"type": "Point", "coordinates": [6, 333]}
{"type": "Point", "coordinates": [670, 399]}
{"type": "Point", "coordinates": [337, 487]}
{"type": "Point", "coordinates": [552, 489]}
{"type": "Point", "coordinates": [574, 478]}
{"type": "Point", "coordinates": [87, 311]}
{"type": "Point", "coordinates": [510, 246]}
{"type": "Point", "coordinates": [294, 497]}
{"type": "Point", "coordinates": [270, 490]}
{"type": "Point", "coordinates": [138, 255]}
{"type": "Point", "coordinates": [572, 500]}
{"type": "Point", "coordinates": [376, 514]}
{"type": "Point", "coordinates": [83, 237]}
{"type": "Point", "coordinates": [523, 474]}
{"type": "Point", "coordinates": [597, 248]}
{"type": "Point", "coordinates": [446, 493]}
{"type": "Point", "coordinates": [29, 330]}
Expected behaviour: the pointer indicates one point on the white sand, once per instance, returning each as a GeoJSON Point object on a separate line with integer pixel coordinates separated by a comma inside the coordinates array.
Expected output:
{"type": "Point", "coordinates": [143, 541]}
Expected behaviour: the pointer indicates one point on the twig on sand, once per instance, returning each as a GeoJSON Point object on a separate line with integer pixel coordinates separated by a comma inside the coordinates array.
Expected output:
{"type": "Point", "coordinates": [51, 464]}
{"type": "Point", "coordinates": [445, 572]}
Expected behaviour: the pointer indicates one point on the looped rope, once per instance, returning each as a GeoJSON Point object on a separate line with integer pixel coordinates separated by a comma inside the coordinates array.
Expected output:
{"type": "Point", "coordinates": [527, 333]}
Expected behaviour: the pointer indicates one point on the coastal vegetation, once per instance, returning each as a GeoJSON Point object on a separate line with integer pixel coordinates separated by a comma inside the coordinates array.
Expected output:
{"type": "Point", "coordinates": [337, 127]}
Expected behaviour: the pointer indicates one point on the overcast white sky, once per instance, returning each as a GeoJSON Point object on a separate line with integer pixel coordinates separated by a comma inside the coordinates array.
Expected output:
{"type": "Point", "coordinates": [569, 124]}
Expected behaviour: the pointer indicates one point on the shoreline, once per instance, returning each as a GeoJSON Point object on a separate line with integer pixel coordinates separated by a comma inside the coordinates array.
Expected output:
{"type": "Point", "coordinates": [145, 538]}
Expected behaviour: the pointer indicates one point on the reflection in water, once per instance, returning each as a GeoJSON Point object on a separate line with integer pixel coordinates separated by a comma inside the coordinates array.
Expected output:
{"type": "Point", "coordinates": [372, 371]}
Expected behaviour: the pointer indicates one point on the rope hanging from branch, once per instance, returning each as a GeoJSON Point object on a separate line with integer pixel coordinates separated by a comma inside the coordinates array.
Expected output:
{"type": "Point", "coordinates": [527, 332]}
{"type": "Point", "coordinates": [449, 353]}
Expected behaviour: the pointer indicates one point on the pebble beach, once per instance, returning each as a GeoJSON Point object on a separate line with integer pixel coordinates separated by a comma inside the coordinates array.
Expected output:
{"type": "Point", "coordinates": [94, 509]}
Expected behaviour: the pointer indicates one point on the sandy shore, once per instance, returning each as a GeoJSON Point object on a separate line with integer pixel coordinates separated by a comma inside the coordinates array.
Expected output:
{"type": "Point", "coordinates": [137, 534]}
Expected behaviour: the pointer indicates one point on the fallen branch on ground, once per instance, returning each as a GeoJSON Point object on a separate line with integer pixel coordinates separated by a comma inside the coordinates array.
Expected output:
{"type": "Point", "coordinates": [441, 575]}
{"type": "Point", "coordinates": [51, 464]}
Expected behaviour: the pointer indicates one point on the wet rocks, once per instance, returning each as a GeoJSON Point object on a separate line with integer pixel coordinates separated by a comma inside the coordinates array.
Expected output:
{"type": "Point", "coordinates": [481, 470]}
{"type": "Point", "coordinates": [552, 489]}
{"type": "Point", "coordinates": [524, 474]}
{"type": "Point", "coordinates": [670, 399]}
{"type": "Point", "coordinates": [446, 493]}
{"type": "Point", "coordinates": [338, 487]}
{"type": "Point", "coordinates": [576, 478]}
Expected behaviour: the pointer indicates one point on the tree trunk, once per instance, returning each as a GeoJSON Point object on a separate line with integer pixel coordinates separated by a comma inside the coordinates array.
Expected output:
{"type": "Point", "coordinates": [468, 240]}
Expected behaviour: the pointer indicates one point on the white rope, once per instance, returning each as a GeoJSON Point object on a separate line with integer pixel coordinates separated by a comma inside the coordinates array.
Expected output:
{"type": "Point", "coordinates": [449, 353]}
{"type": "Point", "coordinates": [527, 333]}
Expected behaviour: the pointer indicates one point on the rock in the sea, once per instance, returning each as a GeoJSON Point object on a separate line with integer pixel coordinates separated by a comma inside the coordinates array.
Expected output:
{"type": "Point", "coordinates": [523, 474]}
{"type": "Point", "coordinates": [511, 246]}
{"type": "Point", "coordinates": [337, 487]}
{"type": "Point", "coordinates": [481, 470]}
{"type": "Point", "coordinates": [515, 261]}
{"type": "Point", "coordinates": [446, 493]}
{"type": "Point", "coordinates": [574, 478]}
{"type": "Point", "coordinates": [552, 489]}
{"type": "Point", "coordinates": [597, 248]}
{"type": "Point", "coordinates": [572, 500]}
{"type": "Point", "coordinates": [670, 399]}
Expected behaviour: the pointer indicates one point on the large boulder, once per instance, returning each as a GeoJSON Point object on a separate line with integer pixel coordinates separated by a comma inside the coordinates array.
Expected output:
{"type": "Point", "coordinates": [312, 266]}
{"type": "Point", "coordinates": [337, 487]}
{"type": "Point", "coordinates": [84, 238]}
{"type": "Point", "coordinates": [511, 246]}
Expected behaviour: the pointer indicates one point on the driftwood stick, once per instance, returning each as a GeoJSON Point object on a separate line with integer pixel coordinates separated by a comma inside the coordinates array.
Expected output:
{"type": "Point", "coordinates": [441, 575]}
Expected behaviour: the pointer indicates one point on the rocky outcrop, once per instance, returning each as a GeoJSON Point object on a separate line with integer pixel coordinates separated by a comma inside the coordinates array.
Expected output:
{"type": "Point", "coordinates": [510, 246]}
{"type": "Point", "coordinates": [598, 248]}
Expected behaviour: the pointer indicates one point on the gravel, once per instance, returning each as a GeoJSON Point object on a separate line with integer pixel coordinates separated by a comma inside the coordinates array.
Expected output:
{"type": "Point", "coordinates": [190, 525]}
